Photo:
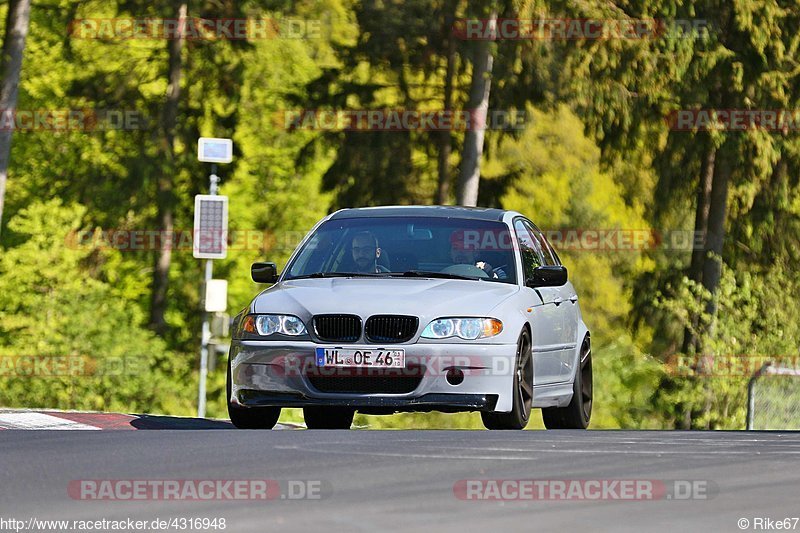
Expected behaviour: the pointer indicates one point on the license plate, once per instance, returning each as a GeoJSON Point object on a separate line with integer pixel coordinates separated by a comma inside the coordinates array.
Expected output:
{"type": "Point", "coordinates": [360, 358]}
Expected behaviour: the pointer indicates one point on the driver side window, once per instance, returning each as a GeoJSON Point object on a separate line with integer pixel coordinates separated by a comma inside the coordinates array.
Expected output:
{"type": "Point", "coordinates": [528, 248]}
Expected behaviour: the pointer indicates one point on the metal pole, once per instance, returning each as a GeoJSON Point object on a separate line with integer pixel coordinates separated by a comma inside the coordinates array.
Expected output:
{"type": "Point", "coordinates": [206, 335]}
{"type": "Point", "coordinates": [214, 179]}
{"type": "Point", "coordinates": [751, 403]}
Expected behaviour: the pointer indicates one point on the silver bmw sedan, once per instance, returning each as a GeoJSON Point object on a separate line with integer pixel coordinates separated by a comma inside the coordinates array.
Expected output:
{"type": "Point", "coordinates": [411, 308]}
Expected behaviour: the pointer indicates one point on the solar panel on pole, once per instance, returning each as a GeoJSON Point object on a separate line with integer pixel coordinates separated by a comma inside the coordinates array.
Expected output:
{"type": "Point", "coordinates": [210, 227]}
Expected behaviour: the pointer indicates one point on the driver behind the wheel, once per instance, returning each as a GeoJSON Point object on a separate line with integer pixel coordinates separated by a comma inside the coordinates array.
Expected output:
{"type": "Point", "coordinates": [465, 254]}
{"type": "Point", "coordinates": [366, 252]}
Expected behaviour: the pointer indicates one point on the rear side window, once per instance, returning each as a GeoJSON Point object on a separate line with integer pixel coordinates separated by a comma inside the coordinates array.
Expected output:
{"type": "Point", "coordinates": [528, 248]}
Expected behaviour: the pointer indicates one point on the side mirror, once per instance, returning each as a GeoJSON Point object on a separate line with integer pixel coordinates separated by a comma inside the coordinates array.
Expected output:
{"type": "Point", "coordinates": [547, 276]}
{"type": "Point", "coordinates": [264, 272]}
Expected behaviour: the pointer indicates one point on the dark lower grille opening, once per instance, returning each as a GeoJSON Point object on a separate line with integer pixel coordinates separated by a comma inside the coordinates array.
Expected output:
{"type": "Point", "coordinates": [344, 328]}
{"type": "Point", "coordinates": [391, 328]}
{"type": "Point", "coordinates": [367, 380]}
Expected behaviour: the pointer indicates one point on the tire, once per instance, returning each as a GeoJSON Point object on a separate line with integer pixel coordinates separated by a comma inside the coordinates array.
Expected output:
{"type": "Point", "coordinates": [328, 417]}
{"type": "Point", "coordinates": [578, 413]}
{"type": "Point", "coordinates": [522, 391]}
{"type": "Point", "coordinates": [250, 417]}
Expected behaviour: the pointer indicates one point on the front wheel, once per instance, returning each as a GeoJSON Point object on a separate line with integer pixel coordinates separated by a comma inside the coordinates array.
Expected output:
{"type": "Point", "coordinates": [250, 417]}
{"type": "Point", "coordinates": [522, 390]}
{"type": "Point", "coordinates": [577, 414]}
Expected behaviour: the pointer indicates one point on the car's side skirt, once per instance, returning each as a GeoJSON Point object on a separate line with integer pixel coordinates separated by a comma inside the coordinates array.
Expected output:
{"type": "Point", "coordinates": [552, 394]}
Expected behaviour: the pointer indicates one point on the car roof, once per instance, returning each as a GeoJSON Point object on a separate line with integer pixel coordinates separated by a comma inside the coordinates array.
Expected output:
{"type": "Point", "coordinates": [435, 211]}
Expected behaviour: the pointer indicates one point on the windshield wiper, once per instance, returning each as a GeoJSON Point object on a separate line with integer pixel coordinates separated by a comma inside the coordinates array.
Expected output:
{"type": "Point", "coordinates": [406, 274]}
{"type": "Point", "coordinates": [430, 274]}
{"type": "Point", "coordinates": [338, 275]}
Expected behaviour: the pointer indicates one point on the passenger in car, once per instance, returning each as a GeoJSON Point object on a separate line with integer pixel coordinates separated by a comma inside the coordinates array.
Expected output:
{"type": "Point", "coordinates": [366, 252]}
{"type": "Point", "coordinates": [462, 254]}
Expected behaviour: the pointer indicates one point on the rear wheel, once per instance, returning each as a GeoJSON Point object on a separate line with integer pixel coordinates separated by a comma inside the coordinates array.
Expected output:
{"type": "Point", "coordinates": [250, 417]}
{"type": "Point", "coordinates": [577, 414]}
{"type": "Point", "coordinates": [328, 417]}
{"type": "Point", "coordinates": [520, 413]}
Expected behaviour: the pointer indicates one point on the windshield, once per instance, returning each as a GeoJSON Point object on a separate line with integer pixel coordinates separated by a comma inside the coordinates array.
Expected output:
{"type": "Point", "coordinates": [408, 246]}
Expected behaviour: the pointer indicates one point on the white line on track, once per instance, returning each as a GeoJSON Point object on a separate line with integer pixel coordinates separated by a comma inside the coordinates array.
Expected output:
{"type": "Point", "coordinates": [529, 453]}
{"type": "Point", "coordinates": [39, 421]}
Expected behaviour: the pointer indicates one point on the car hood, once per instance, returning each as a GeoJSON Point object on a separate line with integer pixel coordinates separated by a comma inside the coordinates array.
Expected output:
{"type": "Point", "coordinates": [425, 298]}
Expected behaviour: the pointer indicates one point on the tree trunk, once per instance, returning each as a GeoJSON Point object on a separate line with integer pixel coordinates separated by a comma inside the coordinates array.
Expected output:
{"type": "Point", "coordinates": [717, 214]}
{"type": "Point", "coordinates": [166, 199]}
{"type": "Point", "coordinates": [775, 195]}
{"type": "Point", "coordinates": [17, 21]}
{"type": "Point", "coordinates": [700, 227]}
{"type": "Point", "coordinates": [481, 83]}
{"type": "Point", "coordinates": [445, 136]}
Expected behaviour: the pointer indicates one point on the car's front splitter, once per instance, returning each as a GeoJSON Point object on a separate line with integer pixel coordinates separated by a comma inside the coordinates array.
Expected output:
{"type": "Point", "coordinates": [444, 402]}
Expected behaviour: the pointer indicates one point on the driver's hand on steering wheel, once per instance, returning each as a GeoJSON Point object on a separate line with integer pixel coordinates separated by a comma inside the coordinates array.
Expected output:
{"type": "Point", "coordinates": [486, 267]}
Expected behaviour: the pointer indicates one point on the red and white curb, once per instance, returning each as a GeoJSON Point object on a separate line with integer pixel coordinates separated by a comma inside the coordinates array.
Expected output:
{"type": "Point", "coordinates": [77, 420]}
{"type": "Point", "coordinates": [40, 421]}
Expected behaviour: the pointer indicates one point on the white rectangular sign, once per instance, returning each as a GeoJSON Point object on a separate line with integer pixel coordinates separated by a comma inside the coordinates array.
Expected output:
{"type": "Point", "coordinates": [216, 295]}
{"type": "Point", "coordinates": [213, 150]}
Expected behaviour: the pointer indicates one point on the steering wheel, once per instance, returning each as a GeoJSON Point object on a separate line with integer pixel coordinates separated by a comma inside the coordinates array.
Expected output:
{"type": "Point", "coordinates": [465, 270]}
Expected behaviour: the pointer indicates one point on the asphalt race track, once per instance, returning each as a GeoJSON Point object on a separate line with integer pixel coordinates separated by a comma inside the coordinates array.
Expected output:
{"type": "Point", "coordinates": [404, 480]}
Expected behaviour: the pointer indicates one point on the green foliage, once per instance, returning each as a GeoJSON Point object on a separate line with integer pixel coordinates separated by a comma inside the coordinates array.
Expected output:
{"type": "Point", "coordinates": [625, 380]}
{"type": "Point", "coordinates": [560, 183]}
{"type": "Point", "coordinates": [749, 329]}
{"type": "Point", "coordinates": [51, 309]}
{"type": "Point", "coordinates": [561, 186]}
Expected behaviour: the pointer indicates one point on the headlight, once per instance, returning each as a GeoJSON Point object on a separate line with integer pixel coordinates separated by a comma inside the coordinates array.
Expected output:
{"type": "Point", "coordinates": [291, 325]}
{"type": "Point", "coordinates": [266, 325]}
{"type": "Point", "coordinates": [463, 328]}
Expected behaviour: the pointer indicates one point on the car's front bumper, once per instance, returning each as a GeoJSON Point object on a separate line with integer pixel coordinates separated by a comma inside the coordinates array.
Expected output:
{"type": "Point", "coordinates": [276, 373]}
